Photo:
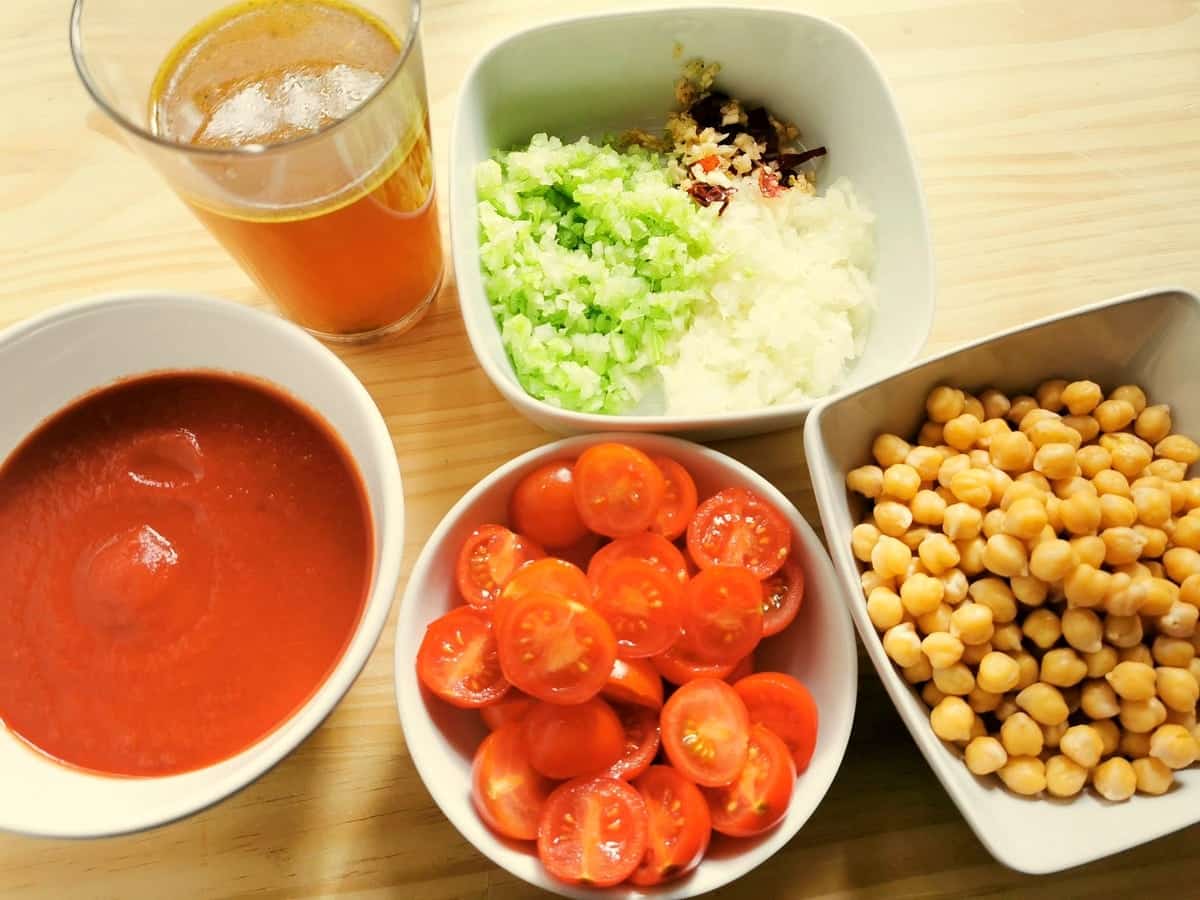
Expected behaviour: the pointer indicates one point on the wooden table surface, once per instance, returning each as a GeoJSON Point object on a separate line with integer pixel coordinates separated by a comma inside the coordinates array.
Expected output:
{"type": "Point", "coordinates": [1059, 143]}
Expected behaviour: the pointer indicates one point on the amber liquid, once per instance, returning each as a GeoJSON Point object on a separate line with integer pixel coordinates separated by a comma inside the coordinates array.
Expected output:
{"type": "Point", "coordinates": [349, 262]}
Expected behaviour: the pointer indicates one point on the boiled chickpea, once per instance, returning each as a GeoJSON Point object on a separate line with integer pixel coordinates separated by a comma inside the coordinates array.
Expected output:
{"type": "Point", "coordinates": [1029, 590]}
{"type": "Point", "coordinates": [1130, 458]}
{"type": "Point", "coordinates": [1113, 415]}
{"type": "Point", "coordinates": [1114, 779]}
{"type": "Point", "coordinates": [1179, 621]}
{"type": "Point", "coordinates": [1098, 700]}
{"type": "Point", "coordinates": [944, 403]}
{"type": "Point", "coordinates": [997, 596]}
{"type": "Point", "coordinates": [1102, 661]}
{"type": "Point", "coordinates": [1054, 431]}
{"type": "Point", "coordinates": [952, 719]}
{"type": "Point", "coordinates": [985, 755]}
{"type": "Point", "coordinates": [1093, 459]}
{"type": "Point", "coordinates": [961, 431]}
{"type": "Point", "coordinates": [1131, 394]}
{"type": "Point", "coordinates": [1025, 519]}
{"type": "Point", "coordinates": [1021, 735]}
{"type": "Point", "coordinates": [1089, 550]}
{"type": "Point", "coordinates": [938, 553]}
{"type": "Point", "coordinates": [871, 579]}
{"type": "Point", "coordinates": [1121, 545]}
{"type": "Point", "coordinates": [954, 586]}
{"type": "Point", "coordinates": [1011, 452]}
{"type": "Point", "coordinates": [942, 649]}
{"type": "Point", "coordinates": [927, 508]}
{"type": "Point", "coordinates": [1085, 426]}
{"type": "Point", "coordinates": [1064, 777]}
{"type": "Point", "coordinates": [1123, 631]}
{"type": "Point", "coordinates": [1116, 511]}
{"type": "Point", "coordinates": [1110, 481]}
{"type": "Point", "coordinates": [1142, 715]}
{"type": "Point", "coordinates": [912, 540]}
{"type": "Point", "coordinates": [921, 594]}
{"type": "Point", "coordinates": [919, 672]}
{"type": "Point", "coordinates": [1049, 394]}
{"type": "Point", "coordinates": [1042, 627]}
{"type": "Point", "coordinates": [1082, 629]}
{"type": "Point", "coordinates": [1056, 461]}
{"type": "Point", "coordinates": [998, 673]}
{"type": "Point", "coordinates": [935, 620]}
{"type": "Point", "coordinates": [1007, 637]}
{"type": "Point", "coordinates": [1169, 651]}
{"type": "Point", "coordinates": [1005, 555]}
{"type": "Point", "coordinates": [1027, 667]}
{"type": "Point", "coordinates": [1168, 470]}
{"type": "Point", "coordinates": [962, 521]}
{"type": "Point", "coordinates": [1110, 734]}
{"type": "Point", "coordinates": [1052, 561]}
{"type": "Point", "coordinates": [1019, 407]}
{"type": "Point", "coordinates": [1181, 562]}
{"type": "Point", "coordinates": [890, 557]}
{"type": "Point", "coordinates": [931, 695]}
{"type": "Point", "coordinates": [1086, 586]}
{"type": "Point", "coordinates": [1160, 597]}
{"type": "Point", "coordinates": [1138, 653]}
{"type": "Point", "coordinates": [1081, 397]}
{"type": "Point", "coordinates": [884, 608]}
{"type": "Point", "coordinates": [982, 701]}
{"type": "Point", "coordinates": [1155, 540]}
{"type": "Point", "coordinates": [1044, 703]}
{"type": "Point", "coordinates": [1177, 688]}
{"type": "Point", "coordinates": [955, 680]}
{"type": "Point", "coordinates": [970, 555]}
{"type": "Point", "coordinates": [890, 449]}
{"type": "Point", "coordinates": [988, 430]}
{"type": "Point", "coordinates": [892, 518]}
{"type": "Point", "coordinates": [1024, 775]}
{"type": "Point", "coordinates": [1063, 668]}
{"type": "Point", "coordinates": [1174, 746]}
{"type": "Point", "coordinates": [974, 653]}
{"type": "Point", "coordinates": [902, 644]}
{"type": "Point", "coordinates": [1082, 744]}
{"type": "Point", "coordinates": [1154, 777]}
{"type": "Point", "coordinates": [1179, 448]}
{"type": "Point", "coordinates": [930, 435]}
{"type": "Point", "coordinates": [1187, 533]}
{"type": "Point", "coordinates": [1153, 423]}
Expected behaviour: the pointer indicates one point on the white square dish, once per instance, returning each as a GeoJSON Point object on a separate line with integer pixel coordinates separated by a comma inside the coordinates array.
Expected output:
{"type": "Point", "coordinates": [1148, 339]}
{"type": "Point", "coordinates": [602, 74]}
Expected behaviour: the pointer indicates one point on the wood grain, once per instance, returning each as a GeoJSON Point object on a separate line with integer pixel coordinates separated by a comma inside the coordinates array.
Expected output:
{"type": "Point", "coordinates": [1058, 144]}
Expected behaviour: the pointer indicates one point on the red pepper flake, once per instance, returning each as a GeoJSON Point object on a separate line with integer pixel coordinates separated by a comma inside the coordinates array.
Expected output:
{"type": "Point", "coordinates": [768, 183]}
{"type": "Point", "coordinates": [709, 162]}
{"type": "Point", "coordinates": [707, 194]}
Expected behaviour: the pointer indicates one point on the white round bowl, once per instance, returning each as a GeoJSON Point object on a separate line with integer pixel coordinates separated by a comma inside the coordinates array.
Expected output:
{"type": "Point", "coordinates": [818, 649]}
{"type": "Point", "coordinates": [50, 360]}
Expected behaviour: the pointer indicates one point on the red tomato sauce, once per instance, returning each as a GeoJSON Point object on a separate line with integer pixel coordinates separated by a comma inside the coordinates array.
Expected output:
{"type": "Point", "coordinates": [185, 558]}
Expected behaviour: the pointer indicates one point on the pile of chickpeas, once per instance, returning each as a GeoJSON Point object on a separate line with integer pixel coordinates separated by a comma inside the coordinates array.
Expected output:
{"type": "Point", "coordinates": [1033, 566]}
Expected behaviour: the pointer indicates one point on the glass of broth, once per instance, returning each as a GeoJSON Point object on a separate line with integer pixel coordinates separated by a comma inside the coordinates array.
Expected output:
{"type": "Point", "coordinates": [298, 133]}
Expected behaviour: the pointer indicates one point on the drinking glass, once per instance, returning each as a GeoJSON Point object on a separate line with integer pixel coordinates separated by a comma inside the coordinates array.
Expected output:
{"type": "Point", "coordinates": [338, 224]}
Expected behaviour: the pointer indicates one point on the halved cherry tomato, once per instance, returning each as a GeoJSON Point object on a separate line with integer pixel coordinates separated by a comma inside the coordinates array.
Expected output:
{"type": "Point", "coordinates": [509, 708]}
{"type": "Point", "coordinates": [642, 604]}
{"type": "Point", "coordinates": [555, 648]}
{"type": "Point", "coordinates": [618, 489]}
{"type": "Point", "coordinates": [785, 706]}
{"type": "Point", "coordinates": [653, 548]}
{"type": "Point", "coordinates": [547, 575]}
{"type": "Point", "coordinates": [568, 741]}
{"type": "Point", "coordinates": [783, 594]}
{"type": "Point", "coordinates": [678, 667]}
{"type": "Point", "coordinates": [758, 798]}
{"type": "Point", "coordinates": [635, 681]}
{"type": "Point", "coordinates": [640, 742]}
{"type": "Point", "coordinates": [543, 506]}
{"type": "Point", "coordinates": [508, 794]}
{"type": "Point", "coordinates": [722, 615]}
{"type": "Point", "coordinates": [679, 827]}
{"type": "Point", "coordinates": [741, 670]}
{"type": "Point", "coordinates": [735, 527]}
{"type": "Point", "coordinates": [592, 831]}
{"type": "Point", "coordinates": [705, 731]}
{"type": "Point", "coordinates": [679, 499]}
{"type": "Point", "coordinates": [458, 659]}
{"type": "Point", "coordinates": [488, 559]}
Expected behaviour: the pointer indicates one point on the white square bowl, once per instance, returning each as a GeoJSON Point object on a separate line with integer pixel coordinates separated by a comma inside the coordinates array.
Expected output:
{"type": "Point", "coordinates": [603, 74]}
{"type": "Point", "coordinates": [1149, 339]}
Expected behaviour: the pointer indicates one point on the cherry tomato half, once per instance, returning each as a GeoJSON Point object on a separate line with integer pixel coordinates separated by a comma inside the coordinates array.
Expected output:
{"type": "Point", "coordinates": [508, 794]}
{"type": "Point", "coordinates": [640, 743]}
{"type": "Point", "coordinates": [488, 559]}
{"type": "Point", "coordinates": [679, 827]}
{"type": "Point", "coordinates": [618, 489]}
{"type": "Point", "coordinates": [783, 594]}
{"type": "Point", "coordinates": [785, 706]}
{"type": "Point", "coordinates": [705, 731]}
{"type": "Point", "coordinates": [592, 832]}
{"type": "Point", "coordinates": [635, 681]}
{"type": "Point", "coordinates": [547, 575]}
{"type": "Point", "coordinates": [458, 659]}
{"type": "Point", "coordinates": [679, 499]}
{"type": "Point", "coordinates": [758, 798]}
{"type": "Point", "coordinates": [543, 506]}
{"type": "Point", "coordinates": [555, 648]}
{"type": "Point", "coordinates": [678, 667]}
{"type": "Point", "coordinates": [735, 527]}
{"type": "Point", "coordinates": [509, 708]}
{"type": "Point", "coordinates": [653, 548]}
{"type": "Point", "coordinates": [568, 741]}
{"type": "Point", "coordinates": [642, 604]}
{"type": "Point", "coordinates": [722, 615]}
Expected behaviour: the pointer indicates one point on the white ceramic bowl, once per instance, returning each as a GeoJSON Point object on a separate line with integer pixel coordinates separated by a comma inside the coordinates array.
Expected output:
{"type": "Point", "coordinates": [1148, 339]}
{"type": "Point", "coordinates": [51, 359]}
{"type": "Point", "coordinates": [818, 648]}
{"type": "Point", "coordinates": [602, 74]}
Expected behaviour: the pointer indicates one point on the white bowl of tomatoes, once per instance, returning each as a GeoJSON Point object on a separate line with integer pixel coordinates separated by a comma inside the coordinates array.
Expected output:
{"type": "Point", "coordinates": [623, 666]}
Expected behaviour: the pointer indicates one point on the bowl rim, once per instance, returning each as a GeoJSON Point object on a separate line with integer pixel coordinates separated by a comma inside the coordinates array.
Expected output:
{"type": "Point", "coordinates": [380, 597]}
{"type": "Point", "coordinates": [502, 375]}
{"type": "Point", "coordinates": [408, 691]}
{"type": "Point", "coordinates": [822, 477]}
